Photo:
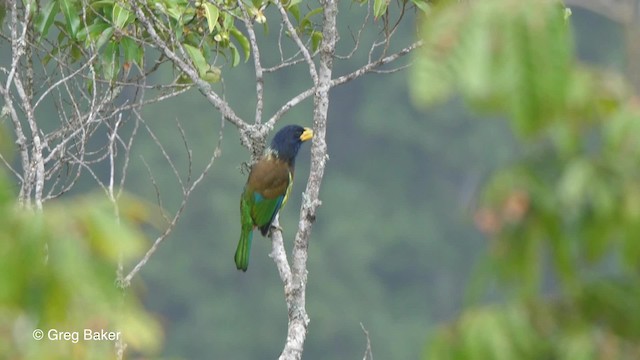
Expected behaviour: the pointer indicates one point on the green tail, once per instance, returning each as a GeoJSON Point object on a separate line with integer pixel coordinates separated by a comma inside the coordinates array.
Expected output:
{"type": "Point", "coordinates": [244, 247]}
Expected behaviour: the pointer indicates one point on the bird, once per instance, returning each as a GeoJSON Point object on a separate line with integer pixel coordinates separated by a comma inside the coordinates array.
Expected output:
{"type": "Point", "coordinates": [268, 186]}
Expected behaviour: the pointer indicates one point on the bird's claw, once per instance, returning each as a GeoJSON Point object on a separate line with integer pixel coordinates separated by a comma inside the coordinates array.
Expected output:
{"type": "Point", "coordinates": [274, 227]}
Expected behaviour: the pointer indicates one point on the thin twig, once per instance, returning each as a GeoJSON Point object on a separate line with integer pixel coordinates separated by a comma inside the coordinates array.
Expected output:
{"type": "Point", "coordinates": [217, 152]}
{"type": "Point", "coordinates": [256, 62]}
{"type": "Point", "coordinates": [370, 67]}
{"type": "Point", "coordinates": [294, 34]}
{"type": "Point", "coordinates": [368, 354]}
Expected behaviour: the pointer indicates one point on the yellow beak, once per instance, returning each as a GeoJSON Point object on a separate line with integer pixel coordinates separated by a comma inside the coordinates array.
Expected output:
{"type": "Point", "coordinates": [306, 135]}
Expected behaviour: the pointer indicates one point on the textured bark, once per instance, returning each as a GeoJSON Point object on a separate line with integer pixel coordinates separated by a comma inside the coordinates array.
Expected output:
{"type": "Point", "coordinates": [295, 292]}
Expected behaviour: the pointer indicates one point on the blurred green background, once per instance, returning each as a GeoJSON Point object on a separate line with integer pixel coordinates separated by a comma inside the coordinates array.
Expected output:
{"type": "Point", "coordinates": [410, 241]}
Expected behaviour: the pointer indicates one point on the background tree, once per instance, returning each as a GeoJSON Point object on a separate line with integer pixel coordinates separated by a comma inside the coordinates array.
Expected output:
{"type": "Point", "coordinates": [92, 62]}
{"type": "Point", "coordinates": [568, 199]}
{"type": "Point", "coordinates": [70, 288]}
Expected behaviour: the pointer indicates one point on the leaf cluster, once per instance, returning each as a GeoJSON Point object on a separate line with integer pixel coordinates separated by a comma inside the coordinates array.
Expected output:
{"type": "Point", "coordinates": [208, 31]}
{"type": "Point", "coordinates": [57, 272]}
{"type": "Point", "coordinates": [566, 211]}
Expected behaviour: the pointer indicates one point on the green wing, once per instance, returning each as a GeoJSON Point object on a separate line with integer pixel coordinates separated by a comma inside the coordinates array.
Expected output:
{"type": "Point", "coordinates": [267, 190]}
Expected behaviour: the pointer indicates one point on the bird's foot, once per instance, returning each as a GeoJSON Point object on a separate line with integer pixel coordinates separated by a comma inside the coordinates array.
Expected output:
{"type": "Point", "coordinates": [272, 228]}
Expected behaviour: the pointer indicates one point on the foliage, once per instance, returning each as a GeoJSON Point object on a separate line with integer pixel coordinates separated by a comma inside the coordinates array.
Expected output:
{"type": "Point", "coordinates": [570, 201]}
{"type": "Point", "coordinates": [73, 289]}
{"type": "Point", "coordinates": [208, 31]}
{"type": "Point", "coordinates": [561, 329]}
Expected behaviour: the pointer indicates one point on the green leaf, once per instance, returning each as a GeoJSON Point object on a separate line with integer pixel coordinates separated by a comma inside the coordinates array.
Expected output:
{"type": "Point", "coordinates": [227, 22]}
{"type": "Point", "coordinates": [573, 187]}
{"type": "Point", "coordinates": [132, 52]}
{"type": "Point", "coordinates": [422, 5]}
{"type": "Point", "coordinates": [295, 11]}
{"type": "Point", "coordinates": [110, 60]}
{"type": "Point", "coordinates": [380, 7]}
{"type": "Point", "coordinates": [316, 40]}
{"type": "Point", "coordinates": [198, 59]}
{"type": "Point", "coordinates": [313, 12]}
{"type": "Point", "coordinates": [76, 52]}
{"type": "Point", "coordinates": [71, 17]}
{"type": "Point", "coordinates": [104, 37]}
{"type": "Point", "coordinates": [235, 55]}
{"type": "Point", "coordinates": [120, 16]}
{"type": "Point", "coordinates": [173, 9]}
{"type": "Point", "coordinates": [44, 19]}
{"type": "Point", "coordinates": [174, 13]}
{"type": "Point", "coordinates": [184, 79]}
{"type": "Point", "coordinates": [91, 32]}
{"type": "Point", "coordinates": [523, 70]}
{"type": "Point", "coordinates": [243, 41]}
{"type": "Point", "coordinates": [212, 75]}
{"type": "Point", "coordinates": [293, 3]}
{"type": "Point", "coordinates": [211, 13]}
{"type": "Point", "coordinates": [306, 22]}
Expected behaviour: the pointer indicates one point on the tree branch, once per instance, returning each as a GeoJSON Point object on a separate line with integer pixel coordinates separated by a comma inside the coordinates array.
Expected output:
{"type": "Point", "coordinates": [187, 190]}
{"type": "Point", "coordinates": [370, 67]}
{"type": "Point", "coordinates": [279, 255]}
{"type": "Point", "coordinates": [295, 294]}
{"type": "Point", "coordinates": [203, 86]}
{"type": "Point", "coordinates": [368, 354]}
{"type": "Point", "coordinates": [294, 34]}
{"type": "Point", "coordinates": [256, 62]}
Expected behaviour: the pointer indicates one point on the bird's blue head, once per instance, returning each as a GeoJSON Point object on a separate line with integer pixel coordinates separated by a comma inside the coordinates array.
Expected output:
{"type": "Point", "coordinates": [287, 141]}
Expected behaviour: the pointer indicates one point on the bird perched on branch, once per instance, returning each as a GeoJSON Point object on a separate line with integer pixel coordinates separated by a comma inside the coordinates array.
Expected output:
{"type": "Point", "coordinates": [268, 187]}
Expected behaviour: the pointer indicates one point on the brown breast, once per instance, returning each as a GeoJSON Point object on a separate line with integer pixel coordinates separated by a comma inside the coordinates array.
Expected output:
{"type": "Point", "coordinates": [269, 177]}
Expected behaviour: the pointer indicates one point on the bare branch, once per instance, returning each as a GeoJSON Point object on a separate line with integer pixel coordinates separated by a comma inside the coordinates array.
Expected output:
{"type": "Point", "coordinates": [17, 125]}
{"type": "Point", "coordinates": [375, 64]}
{"type": "Point", "coordinates": [289, 105]}
{"type": "Point", "coordinates": [390, 71]}
{"type": "Point", "coordinates": [256, 61]}
{"type": "Point", "coordinates": [64, 80]}
{"type": "Point", "coordinates": [187, 191]}
{"type": "Point", "coordinates": [370, 67]}
{"type": "Point", "coordinates": [356, 37]}
{"type": "Point", "coordinates": [279, 255]}
{"type": "Point", "coordinates": [18, 43]}
{"type": "Point", "coordinates": [283, 65]}
{"type": "Point", "coordinates": [368, 354]}
{"type": "Point", "coordinates": [295, 294]}
{"type": "Point", "coordinates": [294, 34]}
